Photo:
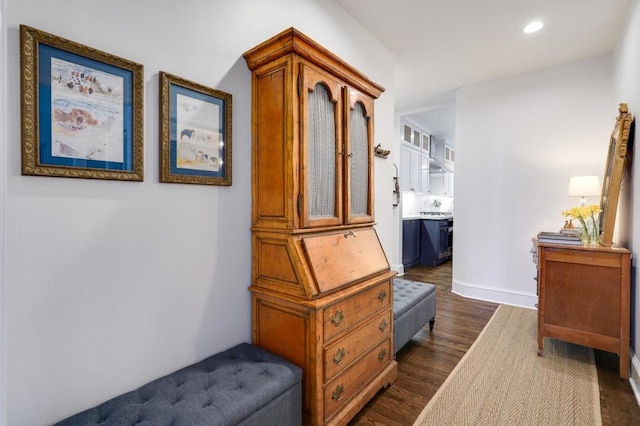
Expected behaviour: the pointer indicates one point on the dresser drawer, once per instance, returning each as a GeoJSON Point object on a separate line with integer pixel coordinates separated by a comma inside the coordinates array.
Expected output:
{"type": "Point", "coordinates": [340, 390]}
{"type": "Point", "coordinates": [342, 353]}
{"type": "Point", "coordinates": [347, 313]}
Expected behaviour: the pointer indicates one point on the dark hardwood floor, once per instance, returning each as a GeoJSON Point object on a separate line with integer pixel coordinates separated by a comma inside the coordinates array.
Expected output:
{"type": "Point", "coordinates": [426, 361]}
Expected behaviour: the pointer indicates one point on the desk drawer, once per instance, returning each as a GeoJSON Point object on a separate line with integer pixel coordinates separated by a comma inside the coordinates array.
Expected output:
{"type": "Point", "coordinates": [347, 313]}
{"type": "Point", "coordinates": [339, 391]}
{"type": "Point", "coordinates": [342, 353]}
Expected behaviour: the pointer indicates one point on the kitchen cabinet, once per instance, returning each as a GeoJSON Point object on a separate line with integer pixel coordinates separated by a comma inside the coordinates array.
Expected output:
{"type": "Point", "coordinates": [448, 184]}
{"type": "Point", "coordinates": [441, 168]}
{"type": "Point", "coordinates": [410, 173]}
{"type": "Point", "coordinates": [410, 243]}
{"type": "Point", "coordinates": [321, 284]}
{"type": "Point", "coordinates": [414, 159]}
{"type": "Point", "coordinates": [584, 297]}
{"type": "Point", "coordinates": [442, 154]}
{"type": "Point", "coordinates": [436, 241]}
{"type": "Point", "coordinates": [449, 156]}
{"type": "Point", "coordinates": [414, 170]}
{"type": "Point", "coordinates": [441, 183]}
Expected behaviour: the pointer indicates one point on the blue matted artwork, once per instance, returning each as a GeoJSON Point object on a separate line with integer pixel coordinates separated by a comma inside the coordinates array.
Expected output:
{"type": "Point", "coordinates": [87, 121]}
{"type": "Point", "coordinates": [195, 133]}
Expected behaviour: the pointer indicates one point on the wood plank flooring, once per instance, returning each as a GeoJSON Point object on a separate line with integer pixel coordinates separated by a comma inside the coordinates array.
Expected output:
{"type": "Point", "coordinates": [426, 361]}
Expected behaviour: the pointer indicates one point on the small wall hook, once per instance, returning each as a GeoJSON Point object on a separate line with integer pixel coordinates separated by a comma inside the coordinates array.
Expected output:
{"type": "Point", "coordinates": [379, 152]}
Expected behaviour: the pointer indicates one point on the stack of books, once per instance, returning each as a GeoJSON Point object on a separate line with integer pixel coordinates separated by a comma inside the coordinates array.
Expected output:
{"type": "Point", "coordinates": [559, 238]}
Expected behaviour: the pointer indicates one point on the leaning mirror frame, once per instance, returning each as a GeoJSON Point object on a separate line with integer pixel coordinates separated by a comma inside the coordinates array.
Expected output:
{"type": "Point", "coordinates": [613, 173]}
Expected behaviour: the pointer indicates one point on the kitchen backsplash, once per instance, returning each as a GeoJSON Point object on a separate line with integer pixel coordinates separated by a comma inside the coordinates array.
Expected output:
{"type": "Point", "coordinates": [413, 203]}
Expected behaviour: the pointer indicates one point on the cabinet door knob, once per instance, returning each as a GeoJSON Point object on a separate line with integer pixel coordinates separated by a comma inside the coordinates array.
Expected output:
{"type": "Point", "coordinates": [337, 318]}
{"type": "Point", "coordinates": [338, 357]}
{"type": "Point", "coordinates": [337, 393]}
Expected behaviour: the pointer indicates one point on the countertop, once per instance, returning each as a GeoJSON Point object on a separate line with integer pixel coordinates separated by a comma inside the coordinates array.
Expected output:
{"type": "Point", "coordinates": [440, 216]}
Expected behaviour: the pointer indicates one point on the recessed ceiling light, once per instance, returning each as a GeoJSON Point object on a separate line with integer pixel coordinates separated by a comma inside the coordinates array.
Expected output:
{"type": "Point", "coordinates": [532, 27]}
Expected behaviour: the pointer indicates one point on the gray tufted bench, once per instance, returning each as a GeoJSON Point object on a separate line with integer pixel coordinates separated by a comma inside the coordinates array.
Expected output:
{"type": "Point", "coordinates": [244, 385]}
{"type": "Point", "coordinates": [414, 305]}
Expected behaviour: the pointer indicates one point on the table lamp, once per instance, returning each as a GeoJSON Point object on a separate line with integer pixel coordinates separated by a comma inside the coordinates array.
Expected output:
{"type": "Point", "coordinates": [584, 186]}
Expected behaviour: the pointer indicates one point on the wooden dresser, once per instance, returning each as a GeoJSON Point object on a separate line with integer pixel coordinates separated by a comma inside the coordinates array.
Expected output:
{"type": "Point", "coordinates": [321, 283]}
{"type": "Point", "coordinates": [583, 297]}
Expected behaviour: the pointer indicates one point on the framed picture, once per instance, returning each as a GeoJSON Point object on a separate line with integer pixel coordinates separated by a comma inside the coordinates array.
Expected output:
{"type": "Point", "coordinates": [614, 170]}
{"type": "Point", "coordinates": [82, 110]}
{"type": "Point", "coordinates": [195, 133]}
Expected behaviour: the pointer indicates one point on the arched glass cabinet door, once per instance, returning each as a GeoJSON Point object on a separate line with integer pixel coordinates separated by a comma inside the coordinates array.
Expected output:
{"type": "Point", "coordinates": [320, 196]}
{"type": "Point", "coordinates": [359, 158]}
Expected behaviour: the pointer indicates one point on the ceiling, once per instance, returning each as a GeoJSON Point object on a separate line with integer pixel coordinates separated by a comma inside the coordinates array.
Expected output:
{"type": "Point", "coordinates": [441, 45]}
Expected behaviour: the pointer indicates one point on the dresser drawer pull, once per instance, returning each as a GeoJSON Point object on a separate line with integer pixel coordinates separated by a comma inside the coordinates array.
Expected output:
{"type": "Point", "coordinates": [339, 356]}
{"type": "Point", "coordinates": [383, 325]}
{"type": "Point", "coordinates": [350, 233]}
{"type": "Point", "coordinates": [337, 394]}
{"type": "Point", "coordinates": [382, 355]}
{"type": "Point", "coordinates": [337, 318]}
{"type": "Point", "coordinates": [382, 295]}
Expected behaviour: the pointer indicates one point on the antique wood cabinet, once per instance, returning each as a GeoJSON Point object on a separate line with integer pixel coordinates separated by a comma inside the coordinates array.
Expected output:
{"type": "Point", "coordinates": [584, 297]}
{"type": "Point", "coordinates": [321, 283]}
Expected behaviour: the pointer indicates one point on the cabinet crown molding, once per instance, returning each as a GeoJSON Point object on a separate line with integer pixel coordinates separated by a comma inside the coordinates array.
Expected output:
{"type": "Point", "coordinates": [293, 41]}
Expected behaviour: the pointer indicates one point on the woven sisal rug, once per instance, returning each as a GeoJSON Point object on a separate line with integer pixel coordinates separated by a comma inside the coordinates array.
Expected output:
{"type": "Point", "coordinates": [501, 380]}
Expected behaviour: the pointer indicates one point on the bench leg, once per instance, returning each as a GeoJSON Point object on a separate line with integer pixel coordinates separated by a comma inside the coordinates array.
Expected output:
{"type": "Point", "coordinates": [431, 324]}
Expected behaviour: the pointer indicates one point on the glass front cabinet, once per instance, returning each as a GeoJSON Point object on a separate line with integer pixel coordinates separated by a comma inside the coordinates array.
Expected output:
{"type": "Point", "coordinates": [321, 287]}
{"type": "Point", "coordinates": [336, 132]}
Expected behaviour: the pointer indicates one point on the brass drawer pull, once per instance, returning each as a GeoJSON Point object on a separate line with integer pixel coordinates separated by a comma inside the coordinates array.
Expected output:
{"type": "Point", "coordinates": [337, 318]}
{"type": "Point", "coordinates": [350, 233]}
{"type": "Point", "coordinates": [382, 355]}
{"type": "Point", "coordinates": [383, 325]}
{"type": "Point", "coordinates": [339, 356]}
{"type": "Point", "coordinates": [382, 295]}
{"type": "Point", "coordinates": [337, 394]}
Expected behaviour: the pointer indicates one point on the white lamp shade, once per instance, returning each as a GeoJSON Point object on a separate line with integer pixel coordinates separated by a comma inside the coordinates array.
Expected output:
{"type": "Point", "coordinates": [584, 186]}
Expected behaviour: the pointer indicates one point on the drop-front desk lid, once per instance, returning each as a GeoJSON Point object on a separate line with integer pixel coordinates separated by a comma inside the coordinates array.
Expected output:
{"type": "Point", "coordinates": [339, 258]}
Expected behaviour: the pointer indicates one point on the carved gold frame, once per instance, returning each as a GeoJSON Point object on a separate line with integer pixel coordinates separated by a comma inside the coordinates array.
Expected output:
{"type": "Point", "coordinates": [169, 173]}
{"type": "Point", "coordinates": [31, 40]}
{"type": "Point", "coordinates": [613, 173]}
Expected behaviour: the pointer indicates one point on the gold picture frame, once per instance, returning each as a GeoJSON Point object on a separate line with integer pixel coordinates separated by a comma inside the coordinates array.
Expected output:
{"type": "Point", "coordinates": [613, 173]}
{"type": "Point", "coordinates": [81, 110]}
{"type": "Point", "coordinates": [195, 133]}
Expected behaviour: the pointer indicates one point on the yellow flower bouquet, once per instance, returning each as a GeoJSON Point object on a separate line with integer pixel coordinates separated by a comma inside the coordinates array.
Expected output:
{"type": "Point", "coordinates": [586, 215]}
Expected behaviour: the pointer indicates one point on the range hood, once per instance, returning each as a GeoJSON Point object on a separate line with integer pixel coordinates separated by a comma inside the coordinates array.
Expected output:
{"type": "Point", "coordinates": [436, 166]}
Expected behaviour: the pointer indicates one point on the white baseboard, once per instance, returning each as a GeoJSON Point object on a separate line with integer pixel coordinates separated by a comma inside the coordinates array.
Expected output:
{"type": "Point", "coordinates": [398, 268]}
{"type": "Point", "coordinates": [495, 295]}
{"type": "Point", "coordinates": [634, 378]}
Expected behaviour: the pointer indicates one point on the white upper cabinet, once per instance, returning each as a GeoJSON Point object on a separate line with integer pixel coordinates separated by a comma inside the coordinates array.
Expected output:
{"type": "Point", "coordinates": [414, 158]}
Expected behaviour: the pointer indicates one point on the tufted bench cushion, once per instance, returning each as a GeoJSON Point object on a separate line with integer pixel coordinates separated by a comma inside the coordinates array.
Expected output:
{"type": "Point", "coordinates": [244, 385]}
{"type": "Point", "coordinates": [414, 305]}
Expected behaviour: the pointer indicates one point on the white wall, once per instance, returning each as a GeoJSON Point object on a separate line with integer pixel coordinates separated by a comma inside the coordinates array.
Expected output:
{"type": "Point", "coordinates": [3, 155]}
{"type": "Point", "coordinates": [110, 284]}
{"type": "Point", "coordinates": [627, 89]}
{"type": "Point", "coordinates": [518, 141]}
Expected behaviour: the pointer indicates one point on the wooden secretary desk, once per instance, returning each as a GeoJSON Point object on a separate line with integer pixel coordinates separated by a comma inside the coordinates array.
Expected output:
{"type": "Point", "coordinates": [321, 283]}
{"type": "Point", "coordinates": [584, 297]}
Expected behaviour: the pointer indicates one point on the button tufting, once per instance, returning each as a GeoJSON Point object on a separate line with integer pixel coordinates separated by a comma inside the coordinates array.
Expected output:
{"type": "Point", "coordinates": [204, 390]}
